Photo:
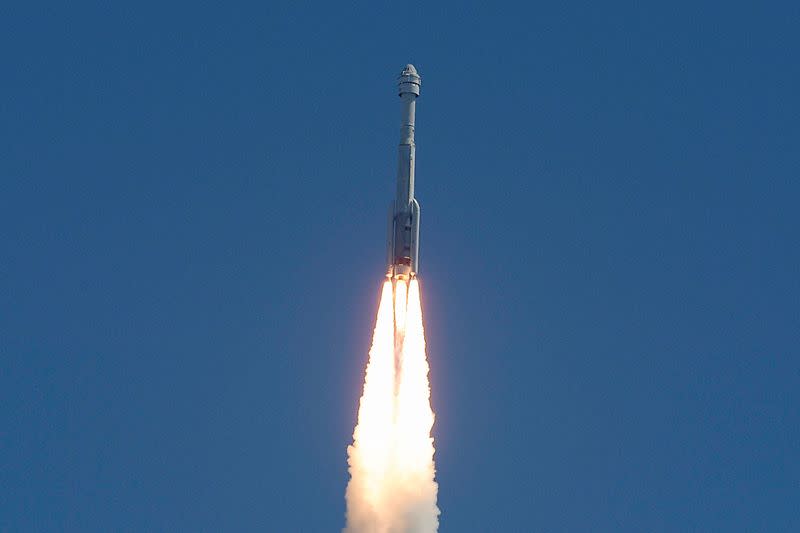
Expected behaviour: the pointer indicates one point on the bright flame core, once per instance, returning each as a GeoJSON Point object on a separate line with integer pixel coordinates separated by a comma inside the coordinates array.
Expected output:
{"type": "Point", "coordinates": [392, 487]}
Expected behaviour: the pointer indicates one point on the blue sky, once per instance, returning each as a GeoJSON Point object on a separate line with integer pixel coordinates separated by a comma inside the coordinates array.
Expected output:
{"type": "Point", "coordinates": [193, 224]}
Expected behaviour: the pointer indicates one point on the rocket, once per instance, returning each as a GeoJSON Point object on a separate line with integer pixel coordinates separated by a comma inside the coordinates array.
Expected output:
{"type": "Point", "coordinates": [403, 230]}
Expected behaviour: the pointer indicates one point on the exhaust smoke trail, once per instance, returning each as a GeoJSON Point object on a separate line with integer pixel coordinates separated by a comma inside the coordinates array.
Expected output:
{"type": "Point", "coordinates": [392, 487]}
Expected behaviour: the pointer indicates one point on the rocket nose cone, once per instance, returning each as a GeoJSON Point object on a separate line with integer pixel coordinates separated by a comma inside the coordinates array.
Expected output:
{"type": "Point", "coordinates": [409, 80]}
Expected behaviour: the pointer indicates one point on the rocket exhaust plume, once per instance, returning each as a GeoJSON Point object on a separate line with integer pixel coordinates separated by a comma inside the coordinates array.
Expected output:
{"type": "Point", "coordinates": [392, 487]}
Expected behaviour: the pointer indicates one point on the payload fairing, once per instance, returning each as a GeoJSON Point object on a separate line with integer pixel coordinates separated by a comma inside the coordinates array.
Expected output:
{"type": "Point", "coordinates": [403, 231]}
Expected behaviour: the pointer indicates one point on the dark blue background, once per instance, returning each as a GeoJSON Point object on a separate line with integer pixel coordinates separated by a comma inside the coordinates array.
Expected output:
{"type": "Point", "coordinates": [192, 211]}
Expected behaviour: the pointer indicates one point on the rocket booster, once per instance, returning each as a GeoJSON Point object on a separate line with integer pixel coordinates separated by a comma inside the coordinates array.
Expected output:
{"type": "Point", "coordinates": [403, 230]}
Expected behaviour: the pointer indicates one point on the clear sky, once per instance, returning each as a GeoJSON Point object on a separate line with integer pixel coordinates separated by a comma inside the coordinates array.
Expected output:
{"type": "Point", "coordinates": [192, 229]}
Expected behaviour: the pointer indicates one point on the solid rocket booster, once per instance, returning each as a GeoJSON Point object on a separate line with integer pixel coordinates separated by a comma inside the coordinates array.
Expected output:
{"type": "Point", "coordinates": [403, 232]}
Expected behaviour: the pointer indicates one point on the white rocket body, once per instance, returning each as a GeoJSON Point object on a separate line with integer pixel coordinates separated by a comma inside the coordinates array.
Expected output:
{"type": "Point", "coordinates": [403, 231]}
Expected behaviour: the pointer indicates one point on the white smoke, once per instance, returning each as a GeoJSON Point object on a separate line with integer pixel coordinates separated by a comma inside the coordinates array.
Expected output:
{"type": "Point", "coordinates": [392, 487]}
